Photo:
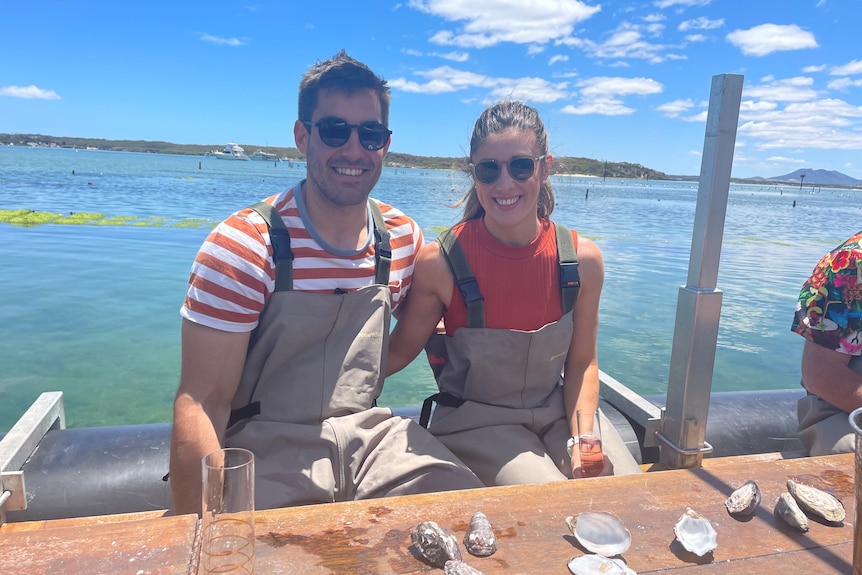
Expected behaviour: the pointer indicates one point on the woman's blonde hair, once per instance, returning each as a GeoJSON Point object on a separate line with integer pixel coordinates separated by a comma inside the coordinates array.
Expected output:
{"type": "Point", "coordinates": [498, 118]}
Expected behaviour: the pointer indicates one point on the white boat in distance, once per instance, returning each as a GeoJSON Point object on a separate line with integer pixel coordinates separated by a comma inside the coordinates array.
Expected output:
{"type": "Point", "coordinates": [264, 156]}
{"type": "Point", "coordinates": [231, 151]}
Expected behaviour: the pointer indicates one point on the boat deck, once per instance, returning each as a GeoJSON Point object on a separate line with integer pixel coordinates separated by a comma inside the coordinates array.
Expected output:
{"type": "Point", "coordinates": [373, 536]}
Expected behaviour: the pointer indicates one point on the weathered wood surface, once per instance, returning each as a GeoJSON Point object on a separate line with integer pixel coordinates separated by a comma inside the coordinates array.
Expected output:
{"type": "Point", "coordinates": [373, 537]}
{"type": "Point", "coordinates": [132, 544]}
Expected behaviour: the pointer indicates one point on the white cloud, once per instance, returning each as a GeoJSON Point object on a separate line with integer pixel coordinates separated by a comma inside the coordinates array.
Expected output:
{"type": "Point", "coordinates": [30, 92]}
{"type": "Point", "coordinates": [675, 108]}
{"type": "Point", "coordinates": [446, 80]}
{"type": "Point", "coordinates": [768, 38]}
{"type": "Point", "coordinates": [625, 42]}
{"type": "Point", "coordinates": [602, 106]}
{"type": "Point", "coordinates": [599, 95]}
{"type": "Point", "coordinates": [601, 86]}
{"type": "Point", "coordinates": [826, 124]}
{"type": "Point", "coordinates": [701, 24]}
{"type": "Point", "coordinates": [455, 56]}
{"type": "Point", "coordinates": [411, 52]}
{"type": "Point", "coordinates": [221, 41]}
{"type": "Point", "coordinates": [558, 58]}
{"type": "Point", "coordinates": [783, 160]}
{"type": "Point", "coordinates": [849, 69]}
{"type": "Point", "coordinates": [844, 83]}
{"type": "Point", "coordinates": [668, 3]}
{"type": "Point", "coordinates": [695, 38]}
{"type": "Point", "coordinates": [813, 69]}
{"type": "Point", "coordinates": [492, 22]}
{"type": "Point", "coordinates": [798, 89]}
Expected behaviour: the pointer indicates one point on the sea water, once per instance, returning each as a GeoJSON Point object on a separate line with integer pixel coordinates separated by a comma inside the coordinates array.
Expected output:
{"type": "Point", "coordinates": [93, 310]}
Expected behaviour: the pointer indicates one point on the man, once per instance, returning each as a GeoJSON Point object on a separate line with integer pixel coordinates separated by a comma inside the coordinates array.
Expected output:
{"type": "Point", "coordinates": [829, 317]}
{"type": "Point", "coordinates": [286, 322]}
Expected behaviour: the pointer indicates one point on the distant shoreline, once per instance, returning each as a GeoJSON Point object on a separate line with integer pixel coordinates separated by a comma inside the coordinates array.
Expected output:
{"type": "Point", "coordinates": [562, 166]}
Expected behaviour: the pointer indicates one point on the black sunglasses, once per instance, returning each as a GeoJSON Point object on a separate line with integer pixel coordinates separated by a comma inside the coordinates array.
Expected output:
{"type": "Point", "coordinates": [521, 169]}
{"type": "Point", "coordinates": [334, 132]}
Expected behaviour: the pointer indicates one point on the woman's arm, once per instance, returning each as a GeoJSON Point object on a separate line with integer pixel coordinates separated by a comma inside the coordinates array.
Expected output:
{"type": "Point", "coordinates": [581, 378]}
{"type": "Point", "coordinates": [420, 313]}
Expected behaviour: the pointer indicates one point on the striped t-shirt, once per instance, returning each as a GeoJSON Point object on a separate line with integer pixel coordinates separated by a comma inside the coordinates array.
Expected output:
{"type": "Point", "coordinates": [233, 274]}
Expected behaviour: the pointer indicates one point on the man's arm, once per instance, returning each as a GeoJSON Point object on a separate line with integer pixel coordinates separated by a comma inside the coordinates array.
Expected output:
{"type": "Point", "coordinates": [826, 374]}
{"type": "Point", "coordinates": [212, 363]}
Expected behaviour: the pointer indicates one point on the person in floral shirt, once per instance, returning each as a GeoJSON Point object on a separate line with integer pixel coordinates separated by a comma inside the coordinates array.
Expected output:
{"type": "Point", "coordinates": [829, 317]}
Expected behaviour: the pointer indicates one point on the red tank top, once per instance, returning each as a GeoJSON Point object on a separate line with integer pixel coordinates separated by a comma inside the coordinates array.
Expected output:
{"type": "Point", "coordinates": [520, 284]}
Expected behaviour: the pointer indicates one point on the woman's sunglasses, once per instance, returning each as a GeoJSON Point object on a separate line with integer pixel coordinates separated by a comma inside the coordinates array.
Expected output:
{"type": "Point", "coordinates": [334, 132]}
{"type": "Point", "coordinates": [488, 171]}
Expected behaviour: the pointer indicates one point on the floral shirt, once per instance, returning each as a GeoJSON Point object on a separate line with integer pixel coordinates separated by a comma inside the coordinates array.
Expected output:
{"type": "Point", "coordinates": [829, 310]}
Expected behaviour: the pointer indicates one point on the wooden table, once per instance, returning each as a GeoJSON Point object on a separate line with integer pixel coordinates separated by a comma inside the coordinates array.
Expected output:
{"type": "Point", "coordinates": [373, 537]}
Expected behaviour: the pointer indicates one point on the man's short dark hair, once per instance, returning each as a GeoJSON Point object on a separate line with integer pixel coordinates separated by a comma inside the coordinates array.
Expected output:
{"type": "Point", "coordinates": [343, 74]}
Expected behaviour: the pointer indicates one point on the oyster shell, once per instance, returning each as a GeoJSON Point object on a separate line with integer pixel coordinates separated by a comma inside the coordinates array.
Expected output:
{"type": "Point", "coordinates": [695, 532]}
{"type": "Point", "coordinates": [744, 500]}
{"type": "Point", "coordinates": [598, 565]}
{"type": "Point", "coordinates": [480, 539]}
{"type": "Point", "coordinates": [787, 508]}
{"type": "Point", "coordinates": [453, 567]}
{"type": "Point", "coordinates": [434, 543]}
{"type": "Point", "coordinates": [817, 502]}
{"type": "Point", "coordinates": [600, 532]}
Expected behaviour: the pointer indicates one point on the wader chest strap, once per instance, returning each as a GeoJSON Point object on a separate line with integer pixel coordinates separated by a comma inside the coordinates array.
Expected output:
{"type": "Point", "coordinates": [282, 255]}
{"type": "Point", "coordinates": [382, 247]}
{"type": "Point", "coordinates": [570, 279]}
{"type": "Point", "coordinates": [464, 278]}
{"type": "Point", "coordinates": [442, 398]}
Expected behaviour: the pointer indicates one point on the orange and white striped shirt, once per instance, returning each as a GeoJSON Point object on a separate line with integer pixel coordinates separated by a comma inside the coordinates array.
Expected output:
{"type": "Point", "coordinates": [233, 274]}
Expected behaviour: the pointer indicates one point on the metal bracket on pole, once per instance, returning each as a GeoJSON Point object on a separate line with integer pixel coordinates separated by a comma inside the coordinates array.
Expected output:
{"type": "Point", "coordinates": [695, 336]}
{"type": "Point", "coordinates": [18, 445]}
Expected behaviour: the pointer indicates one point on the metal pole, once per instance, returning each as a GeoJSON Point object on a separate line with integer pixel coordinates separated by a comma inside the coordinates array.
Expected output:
{"type": "Point", "coordinates": [681, 439]}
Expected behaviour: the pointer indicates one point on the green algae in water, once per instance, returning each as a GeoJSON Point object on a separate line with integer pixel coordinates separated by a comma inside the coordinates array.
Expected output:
{"type": "Point", "coordinates": [31, 218]}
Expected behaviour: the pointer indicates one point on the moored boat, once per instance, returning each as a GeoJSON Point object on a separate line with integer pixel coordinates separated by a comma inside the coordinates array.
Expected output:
{"type": "Point", "coordinates": [264, 156]}
{"type": "Point", "coordinates": [231, 151]}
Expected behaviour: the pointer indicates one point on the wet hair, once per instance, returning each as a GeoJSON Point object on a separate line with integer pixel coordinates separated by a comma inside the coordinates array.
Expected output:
{"type": "Point", "coordinates": [341, 73]}
{"type": "Point", "coordinates": [499, 118]}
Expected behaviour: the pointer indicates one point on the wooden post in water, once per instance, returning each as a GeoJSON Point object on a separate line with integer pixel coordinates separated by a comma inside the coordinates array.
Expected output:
{"type": "Point", "coordinates": [683, 427]}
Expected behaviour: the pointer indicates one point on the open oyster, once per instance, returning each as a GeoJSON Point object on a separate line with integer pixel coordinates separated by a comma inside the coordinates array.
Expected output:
{"type": "Point", "coordinates": [817, 502]}
{"type": "Point", "coordinates": [598, 565]}
{"type": "Point", "coordinates": [787, 509]}
{"type": "Point", "coordinates": [600, 532]}
{"type": "Point", "coordinates": [695, 532]}
{"type": "Point", "coordinates": [744, 500]}
{"type": "Point", "coordinates": [434, 543]}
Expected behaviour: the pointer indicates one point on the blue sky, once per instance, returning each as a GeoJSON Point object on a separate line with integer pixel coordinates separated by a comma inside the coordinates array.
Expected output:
{"type": "Point", "coordinates": [617, 81]}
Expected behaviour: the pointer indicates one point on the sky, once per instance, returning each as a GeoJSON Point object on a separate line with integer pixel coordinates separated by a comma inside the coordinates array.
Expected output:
{"type": "Point", "coordinates": [613, 80]}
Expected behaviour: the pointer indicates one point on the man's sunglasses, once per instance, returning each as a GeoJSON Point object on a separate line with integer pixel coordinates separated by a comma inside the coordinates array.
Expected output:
{"type": "Point", "coordinates": [521, 169]}
{"type": "Point", "coordinates": [334, 132]}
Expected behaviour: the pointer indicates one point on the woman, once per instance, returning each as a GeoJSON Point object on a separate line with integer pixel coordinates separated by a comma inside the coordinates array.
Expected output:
{"type": "Point", "coordinates": [504, 408]}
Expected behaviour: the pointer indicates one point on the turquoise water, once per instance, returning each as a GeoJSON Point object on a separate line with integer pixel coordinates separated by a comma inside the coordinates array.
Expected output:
{"type": "Point", "coordinates": [93, 310]}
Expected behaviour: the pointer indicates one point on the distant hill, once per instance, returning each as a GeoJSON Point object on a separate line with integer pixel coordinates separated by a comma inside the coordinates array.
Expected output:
{"type": "Point", "coordinates": [817, 178]}
{"type": "Point", "coordinates": [562, 165]}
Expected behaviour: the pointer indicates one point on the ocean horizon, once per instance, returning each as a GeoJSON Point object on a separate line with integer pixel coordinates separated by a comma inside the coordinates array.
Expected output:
{"type": "Point", "coordinates": [91, 308]}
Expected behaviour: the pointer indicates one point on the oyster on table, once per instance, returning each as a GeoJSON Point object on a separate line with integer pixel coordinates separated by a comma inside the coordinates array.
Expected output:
{"type": "Point", "coordinates": [480, 539]}
{"type": "Point", "coordinates": [787, 508]}
{"type": "Point", "coordinates": [600, 532]}
{"type": "Point", "coordinates": [695, 533]}
{"type": "Point", "coordinates": [434, 543]}
{"type": "Point", "coordinates": [817, 502]}
{"type": "Point", "coordinates": [744, 500]}
{"type": "Point", "coordinates": [598, 565]}
{"type": "Point", "coordinates": [453, 567]}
